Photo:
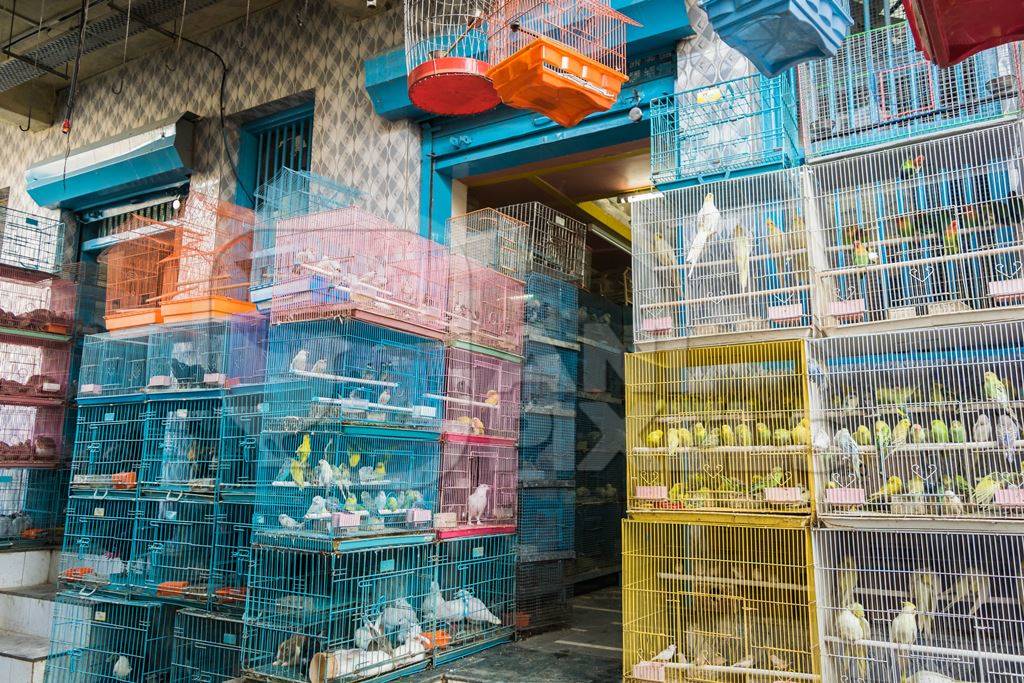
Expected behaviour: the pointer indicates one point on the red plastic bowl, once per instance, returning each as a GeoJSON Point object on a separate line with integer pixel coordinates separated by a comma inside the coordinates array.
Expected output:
{"type": "Point", "coordinates": [452, 86]}
{"type": "Point", "coordinates": [950, 31]}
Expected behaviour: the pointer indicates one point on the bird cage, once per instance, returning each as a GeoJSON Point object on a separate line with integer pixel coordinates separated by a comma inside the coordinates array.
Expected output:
{"type": "Point", "coordinates": [546, 446]}
{"type": "Point", "coordinates": [97, 551]}
{"type": "Point", "coordinates": [482, 401]}
{"type": "Point", "coordinates": [485, 307]}
{"type": "Point", "coordinates": [948, 34]}
{"type": "Point", "coordinates": [357, 372]}
{"type": "Point", "coordinates": [138, 269]}
{"type": "Point", "coordinates": [477, 488]}
{"type": "Point", "coordinates": [109, 638]}
{"type": "Point", "coordinates": [32, 503]}
{"type": "Point", "coordinates": [598, 522]}
{"type": "Point", "coordinates": [899, 603]}
{"type": "Point", "coordinates": [446, 56]}
{"type": "Point", "coordinates": [728, 257]}
{"type": "Point", "coordinates": [476, 576]}
{"type": "Point", "coordinates": [207, 647]}
{"type": "Point", "coordinates": [737, 127]}
{"type": "Point", "coordinates": [562, 59]}
{"type": "Point", "coordinates": [600, 321]}
{"type": "Point", "coordinates": [212, 353]}
{"type": "Point", "coordinates": [242, 421]}
{"type": "Point", "coordinates": [114, 363]}
{"type": "Point", "coordinates": [543, 593]}
{"type": "Point", "coordinates": [33, 370]}
{"type": "Point", "coordinates": [546, 518]}
{"type": "Point", "coordinates": [36, 307]}
{"type": "Point", "coordinates": [31, 242]}
{"type": "Point", "coordinates": [777, 36]}
{"type": "Point", "coordinates": [342, 616]}
{"type": "Point", "coordinates": [551, 311]}
{"type": "Point", "coordinates": [719, 428]}
{"type": "Point", "coordinates": [556, 241]}
{"type": "Point", "coordinates": [920, 424]}
{"type": "Point", "coordinates": [879, 89]}
{"type": "Point", "coordinates": [182, 443]}
{"type": "Point", "coordinates": [172, 552]}
{"type": "Point", "coordinates": [232, 551]}
{"type": "Point", "coordinates": [924, 234]}
{"type": "Point", "coordinates": [706, 600]}
{"type": "Point", "coordinates": [549, 380]}
{"type": "Point", "coordinates": [352, 263]}
{"type": "Point", "coordinates": [490, 238]}
{"type": "Point", "coordinates": [321, 484]}
{"type": "Point", "coordinates": [107, 452]}
{"type": "Point", "coordinates": [30, 435]}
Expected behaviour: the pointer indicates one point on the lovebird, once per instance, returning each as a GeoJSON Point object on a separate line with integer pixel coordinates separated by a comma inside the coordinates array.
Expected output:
{"type": "Point", "coordinates": [951, 237]}
{"type": "Point", "coordinates": [957, 432]}
{"type": "Point", "coordinates": [940, 434]}
{"type": "Point", "coordinates": [861, 255]}
{"type": "Point", "coordinates": [912, 166]}
{"type": "Point", "coordinates": [918, 434]}
{"type": "Point", "coordinates": [995, 390]}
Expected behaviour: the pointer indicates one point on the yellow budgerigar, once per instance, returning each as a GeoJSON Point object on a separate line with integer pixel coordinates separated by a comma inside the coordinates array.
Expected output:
{"type": "Point", "coordinates": [654, 438]}
{"type": "Point", "coordinates": [304, 449]}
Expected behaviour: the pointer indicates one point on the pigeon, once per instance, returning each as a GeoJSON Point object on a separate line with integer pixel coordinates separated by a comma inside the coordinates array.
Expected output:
{"type": "Point", "coordinates": [287, 522]}
{"type": "Point", "coordinates": [298, 363]}
{"type": "Point", "coordinates": [433, 603]}
{"type": "Point", "coordinates": [465, 606]}
{"type": "Point", "coordinates": [476, 504]}
{"type": "Point", "coordinates": [398, 614]}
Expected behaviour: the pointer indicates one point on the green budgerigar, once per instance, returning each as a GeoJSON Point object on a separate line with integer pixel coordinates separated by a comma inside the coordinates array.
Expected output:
{"type": "Point", "coordinates": [700, 433]}
{"type": "Point", "coordinates": [940, 433]}
{"type": "Point", "coordinates": [862, 436]}
{"type": "Point", "coordinates": [782, 437]}
{"type": "Point", "coordinates": [995, 390]}
{"type": "Point", "coordinates": [883, 434]}
{"type": "Point", "coordinates": [764, 434]}
{"type": "Point", "coordinates": [743, 435]}
{"type": "Point", "coordinates": [957, 432]}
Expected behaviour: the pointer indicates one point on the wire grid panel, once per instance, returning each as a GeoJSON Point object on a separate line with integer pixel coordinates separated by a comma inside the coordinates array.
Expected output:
{"type": "Point", "coordinates": [30, 241]}
{"type": "Point", "coordinates": [212, 353]}
{"type": "Point", "coordinates": [551, 308]}
{"type": "Point", "coordinates": [550, 379]}
{"type": "Point", "coordinates": [598, 541]}
{"type": "Point", "coordinates": [735, 126]}
{"type": "Point", "coordinates": [543, 592]}
{"type": "Point", "coordinates": [600, 320]}
{"type": "Point", "coordinates": [107, 639]}
{"type": "Point", "coordinates": [726, 257]}
{"type": "Point", "coordinates": [114, 363]}
{"type": "Point", "coordinates": [921, 423]}
{"type": "Point", "coordinates": [723, 599]}
{"type": "Point", "coordinates": [33, 368]}
{"type": "Point", "coordinates": [242, 420]}
{"type": "Point", "coordinates": [546, 448]}
{"type": "Point", "coordinates": [437, 29]}
{"type": "Point", "coordinates": [32, 503]}
{"type": "Point", "coordinates": [207, 647]}
{"type": "Point", "coordinates": [724, 428]}
{"type": "Point", "coordinates": [97, 550]}
{"type": "Point", "coordinates": [232, 552]}
{"type": "Point", "coordinates": [546, 518]}
{"type": "Point", "coordinates": [920, 605]}
{"type": "Point", "coordinates": [478, 484]}
{"type": "Point", "coordinates": [357, 372]}
{"type": "Point", "coordinates": [485, 306]}
{"type": "Point", "coordinates": [340, 616]}
{"type": "Point", "coordinates": [349, 261]}
{"type": "Point", "coordinates": [476, 581]}
{"type": "Point", "coordinates": [928, 230]}
{"type": "Point", "coordinates": [34, 305]}
{"type": "Point", "coordinates": [323, 483]}
{"type": "Point", "coordinates": [109, 439]}
{"type": "Point", "coordinates": [182, 444]}
{"type": "Point", "coordinates": [491, 238]}
{"type": "Point", "coordinates": [138, 269]}
{"type": "Point", "coordinates": [601, 371]}
{"type": "Point", "coordinates": [555, 241]}
{"type": "Point", "coordinates": [879, 88]}
{"type": "Point", "coordinates": [482, 394]}
{"type": "Point", "coordinates": [30, 435]}
{"type": "Point", "coordinates": [172, 555]}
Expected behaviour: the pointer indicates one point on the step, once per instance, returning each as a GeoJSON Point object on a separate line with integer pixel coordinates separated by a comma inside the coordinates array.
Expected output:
{"type": "Point", "coordinates": [22, 657]}
{"type": "Point", "coordinates": [28, 611]}
{"type": "Point", "coordinates": [28, 568]}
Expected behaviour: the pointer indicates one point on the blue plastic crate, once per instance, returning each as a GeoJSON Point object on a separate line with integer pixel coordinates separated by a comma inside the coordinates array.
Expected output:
{"type": "Point", "coordinates": [232, 553]}
{"type": "Point", "coordinates": [114, 363]}
{"type": "Point", "coordinates": [879, 89]}
{"type": "Point", "coordinates": [357, 372]}
{"type": "Point", "coordinates": [97, 550]}
{"type": "Point", "coordinates": [32, 504]}
{"type": "Point", "coordinates": [476, 576]}
{"type": "Point", "coordinates": [241, 423]}
{"type": "Point", "coordinates": [182, 446]}
{"type": "Point", "coordinates": [172, 553]}
{"type": "Point", "coordinates": [547, 447]}
{"type": "Point", "coordinates": [109, 639]}
{"type": "Point", "coordinates": [329, 604]}
{"type": "Point", "coordinates": [107, 452]}
{"type": "Point", "coordinates": [380, 482]}
{"type": "Point", "coordinates": [779, 34]}
{"type": "Point", "coordinates": [549, 381]}
{"type": "Point", "coordinates": [550, 309]}
{"type": "Point", "coordinates": [207, 647]}
{"type": "Point", "coordinates": [736, 127]}
{"type": "Point", "coordinates": [546, 522]}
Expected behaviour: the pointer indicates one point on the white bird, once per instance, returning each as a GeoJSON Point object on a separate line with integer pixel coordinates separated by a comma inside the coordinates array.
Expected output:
{"type": "Point", "coordinates": [287, 522]}
{"type": "Point", "coordinates": [745, 663]}
{"type": "Point", "coordinates": [319, 367]}
{"type": "Point", "coordinates": [367, 634]}
{"type": "Point", "coordinates": [951, 503]}
{"type": "Point", "coordinates": [1007, 435]}
{"type": "Point", "coordinates": [982, 432]}
{"type": "Point", "coordinates": [433, 604]}
{"type": "Point", "coordinates": [398, 614]}
{"type": "Point", "coordinates": [122, 668]}
{"type": "Point", "coordinates": [741, 248]}
{"type": "Point", "coordinates": [466, 606]}
{"type": "Point", "coordinates": [317, 508]}
{"type": "Point", "coordinates": [299, 361]}
{"type": "Point", "coordinates": [384, 398]}
{"type": "Point", "coordinates": [476, 504]}
{"type": "Point", "coordinates": [974, 584]}
{"type": "Point", "coordinates": [853, 626]}
{"type": "Point", "coordinates": [708, 220]}
{"type": "Point", "coordinates": [903, 629]}
{"type": "Point", "coordinates": [412, 650]}
{"type": "Point", "coordinates": [666, 655]}
{"type": "Point", "coordinates": [324, 474]}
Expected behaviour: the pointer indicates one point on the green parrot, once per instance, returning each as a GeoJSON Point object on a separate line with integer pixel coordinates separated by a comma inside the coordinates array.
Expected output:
{"type": "Point", "coordinates": [743, 435]}
{"type": "Point", "coordinates": [883, 435]}
{"type": "Point", "coordinates": [957, 432]}
{"type": "Point", "coordinates": [782, 437]}
{"type": "Point", "coordinates": [764, 434]}
{"type": "Point", "coordinates": [995, 390]}
{"type": "Point", "coordinates": [940, 434]}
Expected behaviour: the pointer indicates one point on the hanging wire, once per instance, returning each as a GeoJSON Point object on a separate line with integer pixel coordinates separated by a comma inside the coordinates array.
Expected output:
{"type": "Point", "coordinates": [172, 65]}
{"type": "Point", "coordinates": [124, 54]}
{"type": "Point", "coordinates": [39, 30]}
{"type": "Point", "coordinates": [300, 17]}
{"type": "Point", "coordinates": [243, 40]}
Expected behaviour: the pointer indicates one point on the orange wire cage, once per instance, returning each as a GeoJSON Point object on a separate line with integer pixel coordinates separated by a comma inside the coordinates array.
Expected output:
{"type": "Point", "coordinates": [565, 59]}
{"type": "Point", "coordinates": [136, 268]}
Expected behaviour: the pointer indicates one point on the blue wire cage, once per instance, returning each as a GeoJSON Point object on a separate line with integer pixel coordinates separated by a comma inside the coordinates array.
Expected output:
{"type": "Point", "coordinates": [549, 379]}
{"type": "Point", "coordinates": [879, 89]}
{"type": "Point", "coordinates": [476, 578]}
{"type": "Point", "coordinates": [30, 241]}
{"type": "Point", "coordinates": [114, 363]}
{"type": "Point", "coordinates": [182, 444]}
{"type": "Point", "coordinates": [353, 371]}
{"type": "Point", "coordinates": [600, 320]}
{"type": "Point", "coordinates": [543, 590]}
{"type": "Point", "coordinates": [207, 647]}
{"type": "Point", "coordinates": [546, 519]}
{"type": "Point", "coordinates": [241, 424]}
{"type": "Point", "coordinates": [326, 483]}
{"type": "Point", "coordinates": [172, 553]}
{"type": "Point", "coordinates": [232, 553]}
{"type": "Point", "coordinates": [97, 550]}
{"type": "Point", "coordinates": [546, 447]}
{"type": "Point", "coordinates": [32, 503]}
{"type": "Point", "coordinates": [108, 639]}
{"type": "Point", "coordinates": [107, 452]}
{"type": "Point", "coordinates": [550, 309]}
{"type": "Point", "coordinates": [336, 616]}
{"type": "Point", "coordinates": [737, 127]}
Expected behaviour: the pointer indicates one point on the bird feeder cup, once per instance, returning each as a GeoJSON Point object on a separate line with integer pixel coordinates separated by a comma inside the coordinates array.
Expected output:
{"type": "Point", "coordinates": [779, 34]}
{"type": "Point", "coordinates": [446, 57]}
{"type": "Point", "coordinates": [950, 32]}
{"type": "Point", "coordinates": [565, 60]}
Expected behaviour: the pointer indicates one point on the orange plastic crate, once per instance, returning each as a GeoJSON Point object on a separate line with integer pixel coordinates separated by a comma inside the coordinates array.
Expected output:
{"type": "Point", "coordinates": [137, 317]}
{"type": "Point", "coordinates": [201, 308]}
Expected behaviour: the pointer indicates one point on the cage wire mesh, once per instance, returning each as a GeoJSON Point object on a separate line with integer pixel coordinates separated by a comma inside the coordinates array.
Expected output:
{"type": "Point", "coordinates": [482, 395]}
{"type": "Point", "coordinates": [546, 447]}
{"type": "Point", "coordinates": [114, 363]}
{"type": "Point", "coordinates": [138, 270]}
{"type": "Point", "coordinates": [551, 310]}
{"type": "Point", "coordinates": [30, 241]}
{"type": "Point", "coordinates": [30, 435]}
{"type": "Point", "coordinates": [32, 503]}
{"type": "Point", "coordinates": [242, 416]}
{"type": "Point", "coordinates": [543, 594]}
{"type": "Point", "coordinates": [36, 305]}
{"type": "Point", "coordinates": [477, 487]}
{"type": "Point", "coordinates": [554, 241]}
{"type": "Point", "coordinates": [33, 368]}
{"type": "Point", "coordinates": [182, 445]}
{"type": "Point", "coordinates": [107, 451]}
{"type": "Point", "coordinates": [490, 238]}
{"type": "Point", "coordinates": [546, 519]}
{"type": "Point", "coordinates": [207, 647]}
{"type": "Point", "coordinates": [97, 550]}
{"type": "Point", "coordinates": [485, 306]}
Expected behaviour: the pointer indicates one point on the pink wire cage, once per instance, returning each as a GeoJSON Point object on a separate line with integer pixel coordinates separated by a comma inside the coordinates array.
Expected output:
{"type": "Point", "coordinates": [485, 307]}
{"type": "Point", "coordinates": [477, 488]}
{"type": "Point", "coordinates": [36, 305]}
{"type": "Point", "coordinates": [33, 370]}
{"type": "Point", "coordinates": [30, 435]}
{"type": "Point", "coordinates": [482, 396]}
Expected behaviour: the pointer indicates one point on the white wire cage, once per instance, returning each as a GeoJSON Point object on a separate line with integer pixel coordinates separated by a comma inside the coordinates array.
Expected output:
{"type": "Point", "coordinates": [491, 238]}
{"type": "Point", "coordinates": [555, 241]}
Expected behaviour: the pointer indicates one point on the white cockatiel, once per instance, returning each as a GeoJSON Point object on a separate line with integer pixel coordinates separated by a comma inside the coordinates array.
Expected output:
{"type": "Point", "coordinates": [300, 361]}
{"type": "Point", "coordinates": [122, 668]}
{"type": "Point", "coordinates": [741, 248]}
{"type": "Point", "coordinates": [476, 504]}
{"type": "Point", "coordinates": [903, 629]}
{"type": "Point", "coordinates": [708, 220]}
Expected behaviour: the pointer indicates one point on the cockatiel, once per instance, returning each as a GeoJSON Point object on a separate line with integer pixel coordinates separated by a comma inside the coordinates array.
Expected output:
{"type": "Point", "coordinates": [903, 629]}
{"type": "Point", "coordinates": [925, 592]}
{"type": "Point", "coordinates": [741, 248]}
{"type": "Point", "coordinates": [708, 220]}
{"type": "Point", "coordinates": [476, 504]}
{"type": "Point", "coordinates": [1007, 435]}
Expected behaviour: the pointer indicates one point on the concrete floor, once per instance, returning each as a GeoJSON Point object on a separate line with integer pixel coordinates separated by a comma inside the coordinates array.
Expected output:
{"type": "Point", "coordinates": [589, 651]}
